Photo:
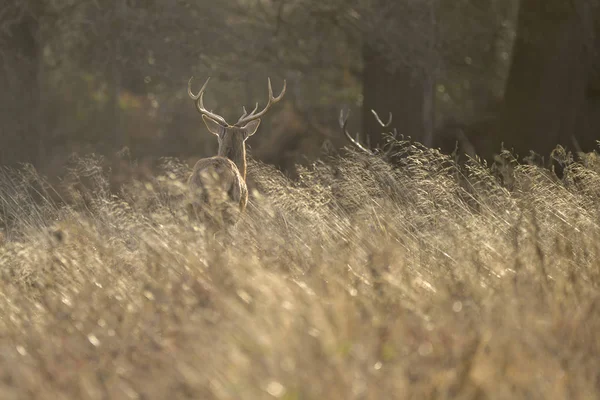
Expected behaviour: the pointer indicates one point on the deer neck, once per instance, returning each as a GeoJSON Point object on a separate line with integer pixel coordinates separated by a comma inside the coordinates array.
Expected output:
{"type": "Point", "coordinates": [236, 152]}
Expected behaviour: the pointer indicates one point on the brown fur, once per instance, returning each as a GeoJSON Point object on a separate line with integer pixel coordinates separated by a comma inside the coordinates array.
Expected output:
{"type": "Point", "coordinates": [218, 183]}
{"type": "Point", "coordinates": [217, 178]}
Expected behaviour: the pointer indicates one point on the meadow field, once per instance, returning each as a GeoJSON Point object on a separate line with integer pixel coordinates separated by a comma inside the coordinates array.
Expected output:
{"type": "Point", "coordinates": [360, 279]}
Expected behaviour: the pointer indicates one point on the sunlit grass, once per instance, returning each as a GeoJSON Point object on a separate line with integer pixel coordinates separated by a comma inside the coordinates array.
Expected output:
{"type": "Point", "coordinates": [360, 280]}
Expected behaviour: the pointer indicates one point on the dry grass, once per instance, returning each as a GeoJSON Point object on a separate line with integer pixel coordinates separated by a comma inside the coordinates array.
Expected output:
{"type": "Point", "coordinates": [358, 281]}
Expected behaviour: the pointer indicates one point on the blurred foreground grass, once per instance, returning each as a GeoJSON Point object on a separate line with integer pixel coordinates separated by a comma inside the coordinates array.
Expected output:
{"type": "Point", "coordinates": [357, 281]}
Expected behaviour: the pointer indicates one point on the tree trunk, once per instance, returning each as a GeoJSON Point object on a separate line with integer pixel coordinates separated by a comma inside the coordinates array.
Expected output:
{"type": "Point", "coordinates": [549, 98]}
{"type": "Point", "coordinates": [396, 91]}
{"type": "Point", "coordinates": [115, 139]}
{"type": "Point", "coordinates": [20, 139]}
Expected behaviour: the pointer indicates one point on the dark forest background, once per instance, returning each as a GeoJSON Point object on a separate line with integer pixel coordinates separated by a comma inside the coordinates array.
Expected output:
{"type": "Point", "coordinates": [110, 77]}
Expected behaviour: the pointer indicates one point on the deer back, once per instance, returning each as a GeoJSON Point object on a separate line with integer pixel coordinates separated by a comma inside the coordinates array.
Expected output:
{"type": "Point", "coordinates": [217, 179]}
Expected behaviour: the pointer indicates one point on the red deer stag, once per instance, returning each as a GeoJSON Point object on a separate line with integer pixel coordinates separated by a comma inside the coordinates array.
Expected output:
{"type": "Point", "coordinates": [218, 183]}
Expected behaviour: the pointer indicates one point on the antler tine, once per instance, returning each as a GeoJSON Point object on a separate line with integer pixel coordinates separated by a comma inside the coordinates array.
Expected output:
{"type": "Point", "coordinates": [246, 112]}
{"type": "Point", "coordinates": [386, 125]}
{"type": "Point", "coordinates": [343, 120]}
{"type": "Point", "coordinates": [199, 101]}
{"type": "Point", "coordinates": [272, 100]}
{"type": "Point", "coordinates": [196, 96]}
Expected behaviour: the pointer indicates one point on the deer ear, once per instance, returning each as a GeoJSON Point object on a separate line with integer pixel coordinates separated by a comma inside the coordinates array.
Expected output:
{"type": "Point", "coordinates": [251, 127]}
{"type": "Point", "coordinates": [213, 126]}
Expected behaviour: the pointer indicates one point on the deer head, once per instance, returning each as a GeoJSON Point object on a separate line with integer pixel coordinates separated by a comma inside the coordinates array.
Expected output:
{"type": "Point", "coordinates": [232, 138]}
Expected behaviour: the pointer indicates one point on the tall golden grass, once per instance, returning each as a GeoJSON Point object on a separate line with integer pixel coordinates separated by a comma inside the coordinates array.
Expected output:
{"type": "Point", "coordinates": [358, 280]}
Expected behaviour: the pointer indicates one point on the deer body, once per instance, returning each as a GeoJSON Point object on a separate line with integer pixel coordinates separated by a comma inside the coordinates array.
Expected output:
{"type": "Point", "coordinates": [218, 174]}
{"type": "Point", "coordinates": [218, 184]}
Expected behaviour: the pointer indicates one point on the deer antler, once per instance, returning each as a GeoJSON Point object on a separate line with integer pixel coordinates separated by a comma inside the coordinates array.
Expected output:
{"type": "Point", "coordinates": [198, 98]}
{"type": "Point", "coordinates": [386, 125]}
{"type": "Point", "coordinates": [245, 118]}
{"type": "Point", "coordinates": [391, 136]}
{"type": "Point", "coordinates": [343, 120]}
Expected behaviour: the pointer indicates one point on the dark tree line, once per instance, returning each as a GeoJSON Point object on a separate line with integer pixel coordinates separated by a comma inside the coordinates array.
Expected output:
{"type": "Point", "coordinates": [552, 93]}
{"type": "Point", "coordinates": [100, 76]}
